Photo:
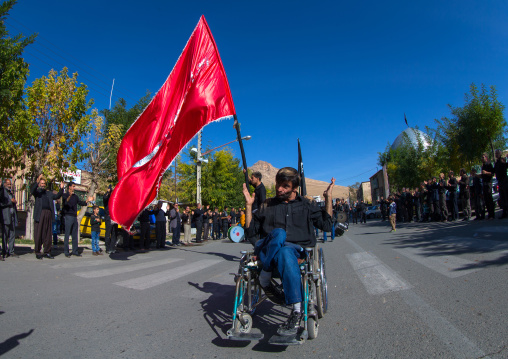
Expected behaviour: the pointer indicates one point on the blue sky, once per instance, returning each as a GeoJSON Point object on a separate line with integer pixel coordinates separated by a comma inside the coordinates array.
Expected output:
{"type": "Point", "coordinates": [337, 75]}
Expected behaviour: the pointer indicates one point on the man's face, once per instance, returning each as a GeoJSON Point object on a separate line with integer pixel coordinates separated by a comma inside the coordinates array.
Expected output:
{"type": "Point", "coordinates": [485, 159]}
{"type": "Point", "coordinates": [187, 208]}
{"type": "Point", "coordinates": [450, 174]}
{"type": "Point", "coordinates": [71, 188]}
{"type": "Point", "coordinates": [42, 184]}
{"type": "Point", "coordinates": [7, 183]}
{"type": "Point", "coordinates": [199, 205]}
{"type": "Point", "coordinates": [498, 154]}
{"type": "Point", "coordinates": [253, 181]}
{"type": "Point", "coordinates": [176, 205]}
{"type": "Point", "coordinates": [285, 190]}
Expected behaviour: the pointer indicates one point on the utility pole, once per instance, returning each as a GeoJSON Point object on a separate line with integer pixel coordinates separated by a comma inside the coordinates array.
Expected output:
{"type": "Point", "coordinates": [198, 170]}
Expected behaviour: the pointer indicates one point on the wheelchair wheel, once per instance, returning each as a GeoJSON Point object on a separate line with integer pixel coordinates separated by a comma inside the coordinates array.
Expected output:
{"type": "Point", "coordinates": [244, 328]}
{"type": "Point", "coordinates": [322, 289]}
{"type": "Point", "coordinates": [312, 328]}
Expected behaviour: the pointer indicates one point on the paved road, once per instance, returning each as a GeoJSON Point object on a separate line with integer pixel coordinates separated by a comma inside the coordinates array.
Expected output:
{"type": "Point", "coordinates": [428, 290]}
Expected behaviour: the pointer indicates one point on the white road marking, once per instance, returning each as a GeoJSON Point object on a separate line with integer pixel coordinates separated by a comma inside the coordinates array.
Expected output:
{"type": "Point", "coordinates": [458, 344]}
{"type": "Point", "coordinates": [125, 268]}
{"type": "Point", "coordinates": [71, 263]}
{"type": "Point", "coordinates": [446, 265]}
{"type": "Point", "coordinates": [375, 276]}
{"type": "Point", "coordinates": [156, 279]}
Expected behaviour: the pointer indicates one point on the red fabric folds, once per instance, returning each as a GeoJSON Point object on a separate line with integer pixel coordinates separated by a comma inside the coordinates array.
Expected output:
{"type": "Point", "coordinates": [195, 94]}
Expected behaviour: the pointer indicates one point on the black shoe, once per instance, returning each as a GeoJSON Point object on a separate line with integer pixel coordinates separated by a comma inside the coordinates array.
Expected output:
{"type": "Point", "coordinates": [291, 326]}
{"type": "Point", "coordinates": [49, 256]}
{"type": "Point", "coordinates": [275, 294]}
{"type": "Point", "coordinates": [13, 255]}
{"type": "Point", "coordinates": [68, 255]}
{"type": "Point", "coordinates": [38, 256]}
{"type": "Point", "coordinates": [77, 255]}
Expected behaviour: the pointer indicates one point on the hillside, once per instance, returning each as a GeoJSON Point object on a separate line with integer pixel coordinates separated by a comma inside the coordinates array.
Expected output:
{"type": "Point", "coordinates": [314, 187]}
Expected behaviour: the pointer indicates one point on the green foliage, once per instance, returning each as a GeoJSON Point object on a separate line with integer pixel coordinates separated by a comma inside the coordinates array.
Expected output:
{"type": "Point", "coordinates": [409, 165]}
{"type": "Point", "coordinates": [477, 127]}
{"type": "Point", "coordinates": [221, 180]}
{"type": "Point", "coordinates": [16, 131]}
{"type": "Point", "coordinates": [58, 107]}
{"type": "Point", "coordinates": [118, 121]}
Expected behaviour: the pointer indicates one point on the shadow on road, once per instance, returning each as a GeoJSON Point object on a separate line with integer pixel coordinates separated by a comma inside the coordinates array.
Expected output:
{"type": "Point", "coordinates": [218, 309]}
{"type": "Point", "coordinates": [448, 239]}
{"type": "Point", "coordinates": [13, 342]}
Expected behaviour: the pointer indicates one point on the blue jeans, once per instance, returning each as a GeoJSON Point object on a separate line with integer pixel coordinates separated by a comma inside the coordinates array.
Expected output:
{"type": "Point", "coordinates": [95, 242]}
{"type": "Point", "coordinates": [282, 257]}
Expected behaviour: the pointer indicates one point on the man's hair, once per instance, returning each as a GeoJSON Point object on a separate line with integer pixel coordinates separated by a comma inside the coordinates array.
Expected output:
{"type": "Point", "coordinates": [70, 184]}
{"type": "Point", "coordinates": [463, 171]}
{"type": "Point", "coordinates": [94, 207]}
{"type": "Point", "coordinates": [451, 172]}
{"type": "Point", "coordinates": [288, 174]}
{"type": "Point", "coordinates": [257, 174]}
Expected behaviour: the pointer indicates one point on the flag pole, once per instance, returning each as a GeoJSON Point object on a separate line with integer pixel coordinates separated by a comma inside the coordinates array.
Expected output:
{"type": "Point", "coordinates": [303, 187]}
{"type": "Point", "coordinates": [236, 125]}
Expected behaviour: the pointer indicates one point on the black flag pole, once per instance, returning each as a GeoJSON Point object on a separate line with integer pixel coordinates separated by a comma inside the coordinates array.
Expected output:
{"type": "Point", "coordinates": [236, 125]}
{"type": "Point", "coordinates": [303, 187]}
{"type": "Point", "coordinates": [405, 119]}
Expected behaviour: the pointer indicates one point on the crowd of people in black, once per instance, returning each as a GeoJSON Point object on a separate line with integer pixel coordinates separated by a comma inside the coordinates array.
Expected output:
{"type": "Point", "coordinates": [442, 199]}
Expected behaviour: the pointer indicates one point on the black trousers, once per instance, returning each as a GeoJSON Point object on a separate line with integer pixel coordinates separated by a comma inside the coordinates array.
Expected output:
{"type": "Point", "coordinates": [489, 202]}
{"type": "Point", "coordinates": [111, 234]}
{"type": "Point", "coordinates": [43, 231]}
{"type": "Point", "coordinates": [199, 230]}
{"type": "Point", "coordinates": [176, 234]}
{"type": "Point", "coordinates": [160, 230]}
{"type": "Point", "coordinates": [206, 230]}
{"type": "Point", "coordinates": [71, 229]}
{"type": "Point", "coordinates": [225, 227]}
{"type": "Point", "coordinates": [216, 231]}
{"type": "Point", "coordinates": [145, 234]}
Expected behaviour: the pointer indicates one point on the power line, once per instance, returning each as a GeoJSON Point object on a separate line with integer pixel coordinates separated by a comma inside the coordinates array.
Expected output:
{"type": "Point", "coordinates": [358, 175]}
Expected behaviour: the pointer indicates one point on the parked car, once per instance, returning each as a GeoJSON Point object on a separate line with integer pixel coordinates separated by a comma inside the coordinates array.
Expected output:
{"type": "Point", "coordinates": [373, 212]}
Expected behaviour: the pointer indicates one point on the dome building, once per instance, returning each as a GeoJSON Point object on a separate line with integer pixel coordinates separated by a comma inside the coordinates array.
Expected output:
{"type": "Point", "coordinates": [414, 135]}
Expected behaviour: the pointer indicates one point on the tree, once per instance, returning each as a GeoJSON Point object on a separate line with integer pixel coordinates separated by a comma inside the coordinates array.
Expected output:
{"type": "Point", "coordinates": [16, 131]}
{"type": "Point", "coordinates": [58, 107]}
{"type": "Point", "coordinates": [122, 118]}
{"type": "Point", "coordinates": [474, 128]}
{"type": "Point", "coordinates": [221, 180]}
{"type": "Point", "coordinates": [411, 163]}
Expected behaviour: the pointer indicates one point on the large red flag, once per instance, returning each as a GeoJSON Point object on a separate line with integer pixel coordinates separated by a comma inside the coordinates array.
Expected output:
{"type": "Point", "coordinates": [195, 94]}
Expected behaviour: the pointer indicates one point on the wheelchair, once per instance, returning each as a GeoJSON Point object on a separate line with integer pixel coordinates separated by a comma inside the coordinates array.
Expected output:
{"type": "Point", "coordinates": [249, 295]}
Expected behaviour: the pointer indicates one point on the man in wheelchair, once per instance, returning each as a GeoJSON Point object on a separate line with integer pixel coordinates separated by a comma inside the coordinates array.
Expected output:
{"type": "Point", "coordinates": [285, 225]}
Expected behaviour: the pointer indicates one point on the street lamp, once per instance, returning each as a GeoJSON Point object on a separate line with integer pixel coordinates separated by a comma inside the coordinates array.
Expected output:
{"type": "Point", "coordinates": [200, 159]}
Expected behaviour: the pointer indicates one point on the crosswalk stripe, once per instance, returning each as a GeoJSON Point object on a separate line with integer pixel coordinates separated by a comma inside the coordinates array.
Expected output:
{"type": "Point", "coordinates": [126, 268]}
{"type": "Point", "coordinates": [375, 276]}
{"type": "Point", "coordinates": [156, 279]}
{"type": "Point", "coordinates": [80, 263]}
{"type": "Point", "coordinates": [449, 266]}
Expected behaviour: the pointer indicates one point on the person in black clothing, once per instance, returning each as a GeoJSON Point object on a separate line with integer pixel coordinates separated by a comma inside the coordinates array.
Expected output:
{"type": "Point", "coordinates": [502, 181]}
{"type": "Point", "coordinates": [346, 209]}
{"type": "Point", "coordinates": [197, 218]}
{"type": "Point", "coordinates": [479, 203]}
{"type": "Point", "coordinates": [111, 229]}
{"type": "Point", "coordinates": [95, 224]}
{"type": "Point", "coordinates": [464, 195]}
{"type": "Point", "coordinates": [70, 207]}
{"type": "Point", "coordinates": [442, 197]}
{"type": "Point", "coordinates": [259, 190]}
{"type": "Point", "coordinates": [206, 223]}
{"type": "Point", "coordinates": [286, 225]}
{"type": "Point", "coordinates": [360, 208]}
{"type": "Point", "coordinates": [225, 222]}
{"type": "Point", "coordinates": [409, 205]}
{"type": "Point", "coordinates": [144, 222]}
{"type": "Point", "coordinates": [215, 223]}
{"type": "Point", "coordinates": [487, 173]}
{"type": "Point", "coordinates": [160, 226]}
{"type": "Point", "coordinates": [9, 217]}
{"type": "Point", "coordinates": [43, 216]}
{"type": "Point", "coordinates": [452, 191]}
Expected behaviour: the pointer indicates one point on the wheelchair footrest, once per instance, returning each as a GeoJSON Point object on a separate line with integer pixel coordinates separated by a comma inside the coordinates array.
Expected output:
{"type": "Point", "coordinates": [297, 339]}
{"type": "Point", "coordinates": [246, 336]}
